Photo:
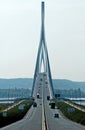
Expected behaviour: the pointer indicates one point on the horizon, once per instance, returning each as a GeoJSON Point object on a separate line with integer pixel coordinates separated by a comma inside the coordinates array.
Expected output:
{"type": "Point", "coordinates": [32, 79]}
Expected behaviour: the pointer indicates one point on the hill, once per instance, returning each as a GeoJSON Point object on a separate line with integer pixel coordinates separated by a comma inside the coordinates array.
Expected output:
{"type": "Point", "coordinates": [26, 83]}
{"type": "Point", "coordinates": [68, 84]}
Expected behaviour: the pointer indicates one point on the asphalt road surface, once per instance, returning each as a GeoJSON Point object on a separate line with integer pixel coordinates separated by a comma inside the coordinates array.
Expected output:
{"type": "Point", "coordinates": [33, 119]}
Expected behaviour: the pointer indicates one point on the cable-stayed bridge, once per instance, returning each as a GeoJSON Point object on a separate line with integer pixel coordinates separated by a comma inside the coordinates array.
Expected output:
{"type": "Point", "coordinates": [42, 116]}
{"type": "Point", "coordinates": [42, 57]}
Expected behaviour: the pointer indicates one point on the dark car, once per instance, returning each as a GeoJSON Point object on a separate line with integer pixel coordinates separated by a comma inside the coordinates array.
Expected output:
{"type": "Point", "coordinates": [52, 105]}
{"type": "Point", "coordinates": [34, 104]}
{"type": "Point", "coordinates": [48, 97]}
{"type": "Point", "coordinates": [56, 115]}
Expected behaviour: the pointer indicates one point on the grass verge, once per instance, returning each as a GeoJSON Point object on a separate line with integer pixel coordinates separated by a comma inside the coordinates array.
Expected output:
{"type": "Point", "coordinates": [15, 113]}
{"type": "Point", "coordinates": [4, 106]}
{"type": "Point", "coordinates": [76, 115]}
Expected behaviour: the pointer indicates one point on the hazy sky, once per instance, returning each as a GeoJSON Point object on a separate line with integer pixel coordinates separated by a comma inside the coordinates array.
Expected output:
{"type": "Point", "coordinates": [20, 22]}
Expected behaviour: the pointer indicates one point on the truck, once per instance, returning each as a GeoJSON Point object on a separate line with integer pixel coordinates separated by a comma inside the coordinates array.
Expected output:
{"type": "Point", "coordinates": [38, 95]}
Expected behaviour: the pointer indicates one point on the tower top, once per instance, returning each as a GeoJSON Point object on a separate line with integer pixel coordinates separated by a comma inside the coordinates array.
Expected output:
{"type": "Point", "coordinates": [42, 19]}
{"type": "Point", "coordinates": [42, 9]}
{"type": "Point", "coordinates": [42, 3]}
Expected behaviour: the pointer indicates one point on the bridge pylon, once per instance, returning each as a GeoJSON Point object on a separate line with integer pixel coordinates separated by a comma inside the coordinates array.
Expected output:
{"type": "Point", "coordinates": [42, 56]}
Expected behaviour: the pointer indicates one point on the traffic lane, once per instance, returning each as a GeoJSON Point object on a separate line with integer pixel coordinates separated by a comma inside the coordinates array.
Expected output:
{"type": "Point", "coordinates": [61, 123]}
{"type": "Point", "coordinates": [38, 87]}
{"type": "Point", "coordinates": [31, 120]}
{"type": "Point", "coordinates": [34, 123]}
{"type": "Point", "coordinates": [13, 126]}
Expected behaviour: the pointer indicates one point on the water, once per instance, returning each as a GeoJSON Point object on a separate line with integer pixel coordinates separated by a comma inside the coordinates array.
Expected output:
{"type": "Point", "coordinates": [13, 98]}
{"type": "Point", "coordinates": [80, 101]}
{"type": "Point", "coordinates": [77, 99]}
{"type": "Point", "coordinates": [7, 100]}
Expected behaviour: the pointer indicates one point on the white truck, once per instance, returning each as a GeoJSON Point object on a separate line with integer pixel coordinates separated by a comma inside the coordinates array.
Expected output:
{"type": "Point", "coordinates": [38, 95]}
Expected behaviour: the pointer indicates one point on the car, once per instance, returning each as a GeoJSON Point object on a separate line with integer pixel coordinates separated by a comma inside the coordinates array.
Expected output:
{"type": "Point", "coordinates": [48, 97]}
{"type": "Point", "coordinates": [56, 115]}
{"type": "Point", "coordinates": [34, 104]}
{"type": "Point", "coordinates": [41, 79]}
{"type": "Point", "coordinates": [52, 105]}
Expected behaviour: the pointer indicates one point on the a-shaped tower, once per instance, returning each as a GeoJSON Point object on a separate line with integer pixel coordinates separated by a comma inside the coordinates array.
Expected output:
{"type": "Point", "coordinates": [42, 56]}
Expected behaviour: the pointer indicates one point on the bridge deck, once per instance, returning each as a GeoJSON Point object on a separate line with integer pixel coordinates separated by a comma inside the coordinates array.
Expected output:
{"type": "Point", "coordinates": [33, 119]}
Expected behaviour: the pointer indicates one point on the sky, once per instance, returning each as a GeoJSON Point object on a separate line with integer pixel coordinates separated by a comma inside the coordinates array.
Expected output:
{"type": "Point", "coordinates": [20, 26]}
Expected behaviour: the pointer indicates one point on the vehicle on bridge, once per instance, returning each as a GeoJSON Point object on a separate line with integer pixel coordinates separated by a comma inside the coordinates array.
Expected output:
{"type": "Point", "coordinates": [52, 105]}
{"type": "Point", "coordinates": [38, 95]}
{"type": "Point", "coordinates": [34, 104]}
{"type": "Point", "coordinates": [48, 97]}
{"type": "Point", "coordinates": [41, 79]}
{"type": "Point", "coordinates": [56, 115]}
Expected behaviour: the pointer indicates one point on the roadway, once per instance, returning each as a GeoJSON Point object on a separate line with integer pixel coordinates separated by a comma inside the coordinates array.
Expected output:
{"type": "Point", "coordinates": [34, 119]}
{"type": "Point", "coordinates": [61, 123]}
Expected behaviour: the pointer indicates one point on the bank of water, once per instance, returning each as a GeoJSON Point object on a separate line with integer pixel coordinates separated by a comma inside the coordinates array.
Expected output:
{"type": "Point", "coordinates": [80, 101]}
{"type": "Point", "coordinates": [7, 100]}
